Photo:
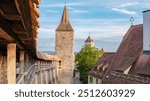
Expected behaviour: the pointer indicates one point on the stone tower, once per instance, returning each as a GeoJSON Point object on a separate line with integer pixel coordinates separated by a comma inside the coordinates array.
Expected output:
{"type": "Point", "coordinates": [89, 42]}
{"type": "Point", "coordinates": [65, 48]}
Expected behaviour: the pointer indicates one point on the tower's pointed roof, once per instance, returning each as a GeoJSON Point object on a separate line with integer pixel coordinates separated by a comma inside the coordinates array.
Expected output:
{"type": "Point", "coordinates": [65, 24]}
{"type": "Point", "coordinates": [89, 39]}
{"type": "Point", "coordinates": [65, 17]}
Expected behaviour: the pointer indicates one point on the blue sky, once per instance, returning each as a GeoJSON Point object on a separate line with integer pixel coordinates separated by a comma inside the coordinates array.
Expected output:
{"type": "Point", "coordinates": [107, 21]}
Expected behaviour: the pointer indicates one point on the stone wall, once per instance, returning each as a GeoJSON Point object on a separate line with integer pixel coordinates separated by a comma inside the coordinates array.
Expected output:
{"type": "Point", "coordinates": [65, 51]}
{"type": "Point", "coordinates": [3, 69]}
{"type": "Point", "coordinates": [3, 66]}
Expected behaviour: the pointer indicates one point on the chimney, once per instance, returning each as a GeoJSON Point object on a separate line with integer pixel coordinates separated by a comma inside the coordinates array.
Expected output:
{"type": "Point", "coordinates": [146, 32]}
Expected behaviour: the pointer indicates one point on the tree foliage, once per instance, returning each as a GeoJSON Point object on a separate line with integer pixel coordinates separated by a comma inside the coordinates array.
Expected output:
{"type": "Point", "coordinates": [86, 58]}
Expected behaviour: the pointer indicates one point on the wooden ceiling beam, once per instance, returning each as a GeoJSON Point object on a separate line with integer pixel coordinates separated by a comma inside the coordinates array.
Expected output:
{"type": "Point", "coordinates": [17, 25]}
{"type": "Point", "coordinates": [35, 24]}
{"type": "Point", "coordinates": [4, 1]}
{"type": "Point", "coordinates": [8, 29]}
{"type": "Point", "coordinates": [19, 32]}
{"type": "Point", "coordinates": [36, 1]}
{"type": "Point", "coordinates": [10, 17]}
{"type": "Point", "coordinates": [6, 36]}
{"type": "Point", "coordinates": [35, 10]}
{"type": "Point", "coordinates": [25, 12]}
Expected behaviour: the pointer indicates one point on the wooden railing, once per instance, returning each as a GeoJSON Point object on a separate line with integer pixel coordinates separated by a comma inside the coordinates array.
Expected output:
{"type": "Point", "coordinates": [30, 74]}
{"type": "Point", "coordinates": [27, 76]}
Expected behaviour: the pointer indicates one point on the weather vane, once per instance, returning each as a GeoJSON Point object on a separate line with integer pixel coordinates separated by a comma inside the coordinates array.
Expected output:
{"type": "Point", "coordinates": [131, 20]}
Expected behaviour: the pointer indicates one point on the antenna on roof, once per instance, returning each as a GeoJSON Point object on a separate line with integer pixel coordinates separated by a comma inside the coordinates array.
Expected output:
{"type": "Point", "coordinates": [65, 3]}
{"type": "Point", "coordinates": [131, 20]}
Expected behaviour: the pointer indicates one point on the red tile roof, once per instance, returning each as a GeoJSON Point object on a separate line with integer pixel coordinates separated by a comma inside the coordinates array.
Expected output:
{"type": "Point", "coordinates": [104, 61]}
{"type": "Point", "coordinates": [129, 50]}
{"type": "Point", "coordinates": [47, 57]}
{"type": "Point", "coordinates": [142, 66]}
{"type": "Point", "coordinates": [130, 53]}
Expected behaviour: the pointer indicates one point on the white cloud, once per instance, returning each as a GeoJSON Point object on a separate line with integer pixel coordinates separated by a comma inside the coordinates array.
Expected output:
{"type": "Point", "coordinates": [97, 21]}
{"type": "Point", "coordinates": [80, 11]}
{"type": "Point", "coordinates": [47, 32]}
{"type": "Point", "coordinates": [51, 11]}
{"type": "Point", "coordinates": [71, 8]}
{"type": "Point", "coordinates": [100, 28]}
{"type": "Point", "coordinates": [100, 32]}
{"type": "Point", "coordinates": [53, 5]}
{"type": "Point", "coordinates": [124, 11]}
{"type": "Point", "coordinates": [145, 5]}
{"type": "Point", "coordinates": [75, 4]}
{"type": "Point", "coordinates": [48, 19]}
{"type": "Point", "coordinates": [128, 4]}
{"type": "Point", "coordinates": [121, 7]}
{"type": "Point", "coordinates": [62, 4]}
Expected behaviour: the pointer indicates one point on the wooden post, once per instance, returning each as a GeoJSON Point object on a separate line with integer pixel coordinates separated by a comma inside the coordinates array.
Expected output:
{"type": "Point", "coordinates": [26, 62]}
{"type": "Point", "coordinates": [41, 74]}
{"type": "Point", "coordinates": [22, 66]}
{"type": "Point", "coordinates": [36, 78]}
{"type": "Point", "coordinates": [46, 77]}
{"type": "Point", "coordinates": [11, 63]}
{"type": "Point", "coordinates": [52, 75]}
{"type": "Point", "coordinates": [39, 77]}
{"type": "Point", "coordinates": [46, 73]}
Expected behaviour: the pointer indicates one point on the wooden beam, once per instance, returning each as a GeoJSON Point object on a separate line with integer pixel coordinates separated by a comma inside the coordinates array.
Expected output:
{"type": "Point", "coordinates": [4, 1]}
{"type": "Point", "coordinates": [36, 10]}
{"type": "Point", "coordinates": [11, 63]}
{"type": "Point", "coordinates": [37, 1]}
{"type": "Point", "coordinates": [17, 6]}
{"type": "Point", "coordinates": [23, 36]}
{"type": "Point", "coordinates": [19, 46]}
{"type": "Point", "coordinates": [5, 35]}
{"type": "Point", "coordinates": [35, 24]}
{"type": "Point", "coordinates": [18, 26]}
{"type": "Point", "coordinates": [10, 17]}
{"type": "Point", "coordinates": [26, 40]}
{"type": "Point", "coordinates": [8, 29]}
{"type": "Point", "coordinates": [19, 32]}
{"type": "Point", "coordinates": [3, 43]}
{"type": "Point", "coordinates": [17, 3]}
{"type": "Point", "coordinates": [26, 15]}
{"type": "Point", "coordinates": [22, 64]}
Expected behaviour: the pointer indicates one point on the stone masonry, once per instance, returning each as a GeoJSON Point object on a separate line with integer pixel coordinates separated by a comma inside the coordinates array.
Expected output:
{"type": "Point", "coordinates": [65, 49]}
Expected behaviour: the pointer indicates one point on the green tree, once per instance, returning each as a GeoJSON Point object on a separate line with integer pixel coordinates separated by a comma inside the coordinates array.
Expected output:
{"type": "Point", "coordinates": [86, 58]}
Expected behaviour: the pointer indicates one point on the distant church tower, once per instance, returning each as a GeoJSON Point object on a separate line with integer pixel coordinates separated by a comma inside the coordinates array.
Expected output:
{"type": "Point", "coordinates": [89, 42]}
{"type": "Point", "coordinates": [65, 48]}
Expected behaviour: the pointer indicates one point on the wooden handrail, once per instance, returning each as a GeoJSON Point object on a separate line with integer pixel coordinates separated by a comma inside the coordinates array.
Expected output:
{"type": "Point", "coordinates": [27, 77]}
{"type": "Point", "coordinates": [25, 74]}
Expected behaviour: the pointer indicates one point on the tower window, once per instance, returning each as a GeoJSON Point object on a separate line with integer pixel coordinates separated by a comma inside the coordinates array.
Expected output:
{"type": "Point", "coordinates": [59, 63]}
